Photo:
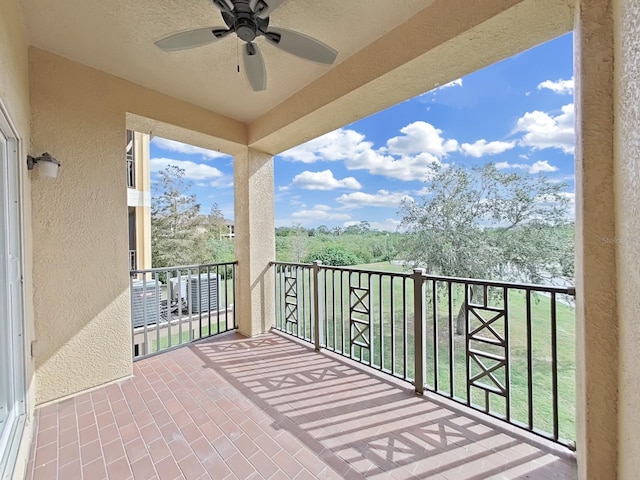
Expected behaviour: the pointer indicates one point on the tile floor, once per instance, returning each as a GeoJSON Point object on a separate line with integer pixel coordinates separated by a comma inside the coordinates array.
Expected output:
{"type": "Point", "coordinates": [271, 408]}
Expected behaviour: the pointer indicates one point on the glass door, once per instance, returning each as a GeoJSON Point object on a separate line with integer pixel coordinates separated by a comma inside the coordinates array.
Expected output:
{"type": "Point", "coordinates": [12, 388]}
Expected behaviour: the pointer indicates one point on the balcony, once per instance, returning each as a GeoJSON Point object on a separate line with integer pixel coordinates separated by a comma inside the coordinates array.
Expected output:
{"type": "Point", "coordinates": [228, 407]}
{"type": "Point", "coordinates": [270, 407]}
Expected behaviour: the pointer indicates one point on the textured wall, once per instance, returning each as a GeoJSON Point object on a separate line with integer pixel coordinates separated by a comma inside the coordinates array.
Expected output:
{"type": "Point", "coordinates": [627, 188]}
{"type": "Point", "coordinates": [80, 219]}
{"type": "Point", "coordinates": [254, 241]}
{"type": "Point", "coordinates": [80, 231]}
{"type": "Point", "coordinates": [596, 288]}
{"type": "Point", "coordinates": [14, 96]}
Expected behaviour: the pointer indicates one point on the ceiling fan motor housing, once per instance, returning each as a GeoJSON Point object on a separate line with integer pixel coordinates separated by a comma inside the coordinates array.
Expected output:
{"type": "Point", "coordinates": [246, 27]}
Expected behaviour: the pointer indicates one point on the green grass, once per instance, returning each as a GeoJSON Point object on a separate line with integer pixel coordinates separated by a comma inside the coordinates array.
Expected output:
{"type": "Point", "coordinates": [184, 334]}
{"type": "Point", "coordinates": [189, 335]}
{"type": "Point", "coordinates": [397, 322]}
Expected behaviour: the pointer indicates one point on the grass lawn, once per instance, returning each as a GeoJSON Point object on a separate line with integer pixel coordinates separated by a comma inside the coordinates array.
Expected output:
{"type": "Point", "coordinates": [187, 333]}
{"type": "Point", "coordinates": [392, 330]}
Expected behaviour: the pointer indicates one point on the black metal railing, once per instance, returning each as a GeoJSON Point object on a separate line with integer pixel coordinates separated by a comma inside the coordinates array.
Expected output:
{"type": "Point", "coordinates": [131, 173]}
{"type": "Point", "coordinates": [505, 349]}
{"type": "Point", "coordinates": [178, 305]}
{"type": "Point", "coordinates": [133, 260]}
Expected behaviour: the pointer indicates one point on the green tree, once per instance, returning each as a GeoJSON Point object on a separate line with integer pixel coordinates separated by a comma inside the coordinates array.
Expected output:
{"type": "Point", "coordinates": [221, 247]}
{"type": "Point", "coordinates": [336, 255]}
{"type": "Point", "coordinates": [178, 231]}
{"type": "Point", "coordinates": [299, 242]}
{"type": "Point", "coordinates": [482, 223]}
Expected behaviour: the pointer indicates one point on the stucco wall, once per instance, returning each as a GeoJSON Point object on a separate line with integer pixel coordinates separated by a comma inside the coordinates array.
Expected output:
{"type": "Point", "coordinates": [14, 96]}
{"type": "Point", "coordinates": [80, 226]}
{"type": "Point", "coordinates": [627, 241]}
{"type": "Point", "coordinates": [80, 233]}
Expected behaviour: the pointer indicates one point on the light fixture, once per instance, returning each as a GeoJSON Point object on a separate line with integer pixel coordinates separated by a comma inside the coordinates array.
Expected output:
{"type": "Point", "coordinates": [48, 165]}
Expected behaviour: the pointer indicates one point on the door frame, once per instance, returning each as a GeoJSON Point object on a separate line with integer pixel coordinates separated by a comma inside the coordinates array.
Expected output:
{"type": "Point", "coordinates": [9, 130]}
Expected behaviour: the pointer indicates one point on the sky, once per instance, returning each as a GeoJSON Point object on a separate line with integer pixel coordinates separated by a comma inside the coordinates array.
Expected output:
{"type": "Point", "coordinates": [517, 113]}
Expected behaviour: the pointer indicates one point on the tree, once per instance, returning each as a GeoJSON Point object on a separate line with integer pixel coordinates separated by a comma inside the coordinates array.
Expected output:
{"type": "Point", "coordinates": [361, 228]}
{"type": "Point", "coordinates": [178, 231]}
{"type": "Point", "coordinates": [299, 242]}
{"type": "Point", "coordinates": [336, 255]}
{"type": "Point", "coordinates": [483, 223]}
{"type": "Point", "coordinates": [221, 246]}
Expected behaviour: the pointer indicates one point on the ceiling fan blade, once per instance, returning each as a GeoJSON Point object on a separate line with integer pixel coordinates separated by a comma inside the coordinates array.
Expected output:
{"type": "Point", "coordinates": [301, 45]}
{"type": "Point", "coordinates": [224, 5]}
{"type": "Point", "coordinates": [254, 67]}
{"type": "Point", "coordinates": [264, 8]}
{"type": "Point", "coordinates": [192, 38]}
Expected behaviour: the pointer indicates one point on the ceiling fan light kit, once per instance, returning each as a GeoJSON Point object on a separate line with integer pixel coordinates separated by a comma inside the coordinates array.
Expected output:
{"type": "Point", "coordinates": [249, 19]}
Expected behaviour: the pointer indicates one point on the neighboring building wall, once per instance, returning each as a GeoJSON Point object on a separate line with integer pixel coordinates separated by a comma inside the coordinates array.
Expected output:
{"type": "Point", "coordinates": [139, 198]}
{"type": "Point", "coordinates": [81, 269]}
{"type": "Point", "coordinates": [14, 98]}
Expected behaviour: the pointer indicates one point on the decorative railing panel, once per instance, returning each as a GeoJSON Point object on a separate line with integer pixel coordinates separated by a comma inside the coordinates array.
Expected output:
{"type": "Point", "coordinates": [504, 349]}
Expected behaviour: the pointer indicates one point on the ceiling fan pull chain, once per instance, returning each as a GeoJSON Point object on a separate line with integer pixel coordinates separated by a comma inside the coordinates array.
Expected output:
{"type": "Point", "coordinates": [238, 53]}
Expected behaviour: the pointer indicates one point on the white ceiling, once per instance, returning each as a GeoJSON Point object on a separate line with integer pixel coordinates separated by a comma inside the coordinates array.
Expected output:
{"type": "Point", "coordinates": [116, 36]}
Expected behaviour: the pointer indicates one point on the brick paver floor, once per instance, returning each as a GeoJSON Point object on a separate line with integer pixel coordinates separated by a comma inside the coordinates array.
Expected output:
{"type": "Point", "coordinates": [272, 408]}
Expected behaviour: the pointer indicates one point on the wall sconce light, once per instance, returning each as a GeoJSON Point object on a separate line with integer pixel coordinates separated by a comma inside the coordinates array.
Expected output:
{"type": "Point", "coordinates": [49, 166]}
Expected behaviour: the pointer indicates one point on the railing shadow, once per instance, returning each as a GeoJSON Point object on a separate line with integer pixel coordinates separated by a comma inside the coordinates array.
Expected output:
{"type": "Point", "coordinates": [361, 424]}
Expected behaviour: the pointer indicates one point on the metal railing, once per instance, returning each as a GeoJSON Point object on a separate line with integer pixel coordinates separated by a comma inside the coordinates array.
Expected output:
{"type": "Point", "coordinates": [133, 261]}
{"type": "Point", "coordinates": [131, 173]}
{"type": "Point", "coordinates": [174, 306]}
{"type": "Point", "coordinates": [505, 349]}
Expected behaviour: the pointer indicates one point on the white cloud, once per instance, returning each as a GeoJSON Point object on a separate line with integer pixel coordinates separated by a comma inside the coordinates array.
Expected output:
{"type": "Point", "coordinates": [423, 191]}
{"type": "Point", "coordinates": [561, 87]}
{"type": "Point", "coordinates": [386, 225]}
{"type": "Point", "coordinates": [546, 131]}
{"type": "Point", "coordinates": [421, 137]}
{"type": "Point", "coordinates": [454, 83]}
{"type": "Point", "coordinates": [192, 171]}
{"type": "Point", "coordinates": [571, 203]}
{"type": "Point", "coordinates": [537, 167]}
{"type": "Point", "coordinates": [173, 146]}
{"type": "Point", "coordinates": [323, 180]}
{"type": "Point", "coordinates": [319, 213]}
{"type": "Point", "coordinates": [337, 145]}
{"type": "Point", "coordinates": [564, 178]}
{"type": "Point", "coordinates": [406, 168]}
{"type": "Point", "coordinates": [382, 198]}
{"type": "Point", "coordinates": [358, 154]}
{"type": "Point", "coordinates": [481, 148]}
{"type": "Point", "coordinates": [542, 166]}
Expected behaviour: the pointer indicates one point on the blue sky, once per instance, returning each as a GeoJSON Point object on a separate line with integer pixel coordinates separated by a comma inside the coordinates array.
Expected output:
{"type": "Point", "coordinates": [517, 113]}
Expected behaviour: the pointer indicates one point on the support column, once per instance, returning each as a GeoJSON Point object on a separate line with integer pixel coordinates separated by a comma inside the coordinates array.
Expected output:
{"type": "Point", "coordinates": [626, 16]}
{"type": "Point", "coordinates": [254, 241]}
{"type": "Point", "coordinates": [596, 280]}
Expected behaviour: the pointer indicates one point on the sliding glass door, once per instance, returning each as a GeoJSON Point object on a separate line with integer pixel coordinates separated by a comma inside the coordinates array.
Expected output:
{"type": "Point", "coordinates": [12, 384]}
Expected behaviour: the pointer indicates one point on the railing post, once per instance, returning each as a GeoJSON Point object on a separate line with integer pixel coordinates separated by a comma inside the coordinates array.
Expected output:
{"type": "Point", "coordinates": [316, 304]}
{"type": "Point", "coordinates": [419, 318]}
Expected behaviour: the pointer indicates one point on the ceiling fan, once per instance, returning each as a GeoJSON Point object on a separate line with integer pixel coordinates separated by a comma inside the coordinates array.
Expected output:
{"type": "Point", "coordinates": [249, 19]}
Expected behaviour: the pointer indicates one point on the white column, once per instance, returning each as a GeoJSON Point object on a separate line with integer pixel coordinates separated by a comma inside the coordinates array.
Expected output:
{"type": "Point", "coordinates": [254, 241]}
